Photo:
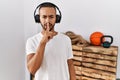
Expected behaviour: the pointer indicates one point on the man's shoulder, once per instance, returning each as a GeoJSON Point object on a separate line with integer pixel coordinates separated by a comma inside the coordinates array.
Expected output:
{"type": "Point", "coordinates": [34, 37]}
{"type": "Point", "coordinates": [64, 36]}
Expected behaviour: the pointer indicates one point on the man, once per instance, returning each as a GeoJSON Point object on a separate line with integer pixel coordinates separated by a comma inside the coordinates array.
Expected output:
{"type": "Point", "coordinates": [49, 53]}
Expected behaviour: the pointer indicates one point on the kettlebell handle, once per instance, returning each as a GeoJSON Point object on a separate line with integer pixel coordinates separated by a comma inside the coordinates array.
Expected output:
{"type": "Point", "coordinates": [107, 36]}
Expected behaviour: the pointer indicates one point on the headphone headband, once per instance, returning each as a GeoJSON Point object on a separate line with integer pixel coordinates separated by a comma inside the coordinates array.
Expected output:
{"type": "Point", "coordinates": [58, 17]}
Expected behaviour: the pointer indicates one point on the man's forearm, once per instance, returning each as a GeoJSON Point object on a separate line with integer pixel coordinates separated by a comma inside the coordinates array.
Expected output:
{"type": "Point", "coordinates": [36, 61]}
{"type": "Point", "coordinates": [71, 70]}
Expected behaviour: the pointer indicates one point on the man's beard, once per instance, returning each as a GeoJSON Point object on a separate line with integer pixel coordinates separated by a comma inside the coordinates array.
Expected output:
{"type": "Point", "coordinates": [44, 26]}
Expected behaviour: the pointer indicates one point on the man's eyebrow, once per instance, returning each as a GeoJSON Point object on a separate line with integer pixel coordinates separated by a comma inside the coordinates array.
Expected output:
{"type": "Point", "coordinates": [48, 15]}
{"type": "Point", "coordinates": [51, 15]}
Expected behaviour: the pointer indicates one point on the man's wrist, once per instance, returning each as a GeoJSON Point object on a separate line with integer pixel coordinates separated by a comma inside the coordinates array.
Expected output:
{"type": "Point", "coordinates": [43, 43]}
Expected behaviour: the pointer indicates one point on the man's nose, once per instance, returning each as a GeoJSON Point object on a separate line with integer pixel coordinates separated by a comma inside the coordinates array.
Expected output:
{"type": "Point", "coordinates": [48, 19]}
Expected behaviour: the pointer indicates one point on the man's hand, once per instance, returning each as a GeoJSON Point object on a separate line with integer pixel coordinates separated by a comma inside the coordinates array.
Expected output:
{"type": "Point", "coordinates": [47, 34]}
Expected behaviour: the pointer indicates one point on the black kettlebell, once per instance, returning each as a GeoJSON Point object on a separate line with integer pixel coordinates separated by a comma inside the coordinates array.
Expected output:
{"type": "Point", "coordinates": [106, 44]}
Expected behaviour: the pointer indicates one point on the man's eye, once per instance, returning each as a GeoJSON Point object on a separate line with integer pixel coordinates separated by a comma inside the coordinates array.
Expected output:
{"type": "Point", "coordinates": [44, 17]}
{"type": "Point", "coordinates": [51, 16]}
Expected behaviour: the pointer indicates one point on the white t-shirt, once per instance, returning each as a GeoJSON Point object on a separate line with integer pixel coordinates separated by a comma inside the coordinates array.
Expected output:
{"type": "Point", "coordinates": [57, 51]}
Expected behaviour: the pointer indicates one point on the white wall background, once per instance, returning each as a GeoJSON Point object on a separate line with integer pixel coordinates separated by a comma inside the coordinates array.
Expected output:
{"type": "Point", "coordinates": [81, 16]}
{"type": "Point", "coordinates": [12, 55]}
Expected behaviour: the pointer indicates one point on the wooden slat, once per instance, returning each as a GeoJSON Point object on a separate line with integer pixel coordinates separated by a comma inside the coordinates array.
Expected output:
{"type": "Point", "coordinates": [100, 67]}
{"type": "Point", "coordinates": [98, 56]}
{"type": "Point", "coordinates": [78, 78]}
{"type": "Point", "coordinates": [87, 78]}
{"type": "Point", "coordinates": [97, 61]}
{"type": "Point", "coordinates": [78, 68]}
{"type": "Point", "coordinates": [74, 47]}
{"type": "Point", "coordinates": [98, 74]}
{"type": "Point", "coordinates": [98, 49]}
{"type": "Point", "coordinates": [78, 72]}
{"type": "Point", "coordinates": [76, 58]}
{"type": "Point", "coordinates": [77, 53]}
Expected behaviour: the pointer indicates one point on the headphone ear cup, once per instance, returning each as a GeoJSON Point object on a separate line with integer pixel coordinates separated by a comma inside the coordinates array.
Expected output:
{"type": "Point", "coordinates": [58, 18]}
{"type": "Point", "coordinates": [37, 18]}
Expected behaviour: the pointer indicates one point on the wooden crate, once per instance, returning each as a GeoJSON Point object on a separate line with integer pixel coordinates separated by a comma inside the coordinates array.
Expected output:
{"type": "Point", "coordinates": [95, 62]}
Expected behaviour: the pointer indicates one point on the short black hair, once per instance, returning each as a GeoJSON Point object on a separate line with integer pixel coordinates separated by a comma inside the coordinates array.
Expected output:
{"type": "Point", "coordinates": [47, 4]}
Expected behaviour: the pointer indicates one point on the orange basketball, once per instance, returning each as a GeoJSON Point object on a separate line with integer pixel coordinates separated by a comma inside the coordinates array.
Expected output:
{"type": "Point", "coordinates": [95, 38]}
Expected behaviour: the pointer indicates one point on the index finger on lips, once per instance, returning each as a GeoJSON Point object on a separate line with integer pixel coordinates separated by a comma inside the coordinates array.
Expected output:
{"type": "Point", "coordinates": [48, 28]}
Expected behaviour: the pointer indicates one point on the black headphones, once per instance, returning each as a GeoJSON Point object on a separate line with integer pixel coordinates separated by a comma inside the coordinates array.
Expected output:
{"type": "Point", "coordinates": [106, 44]}
{"type": "Point", "coordinates": [37, 16]}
